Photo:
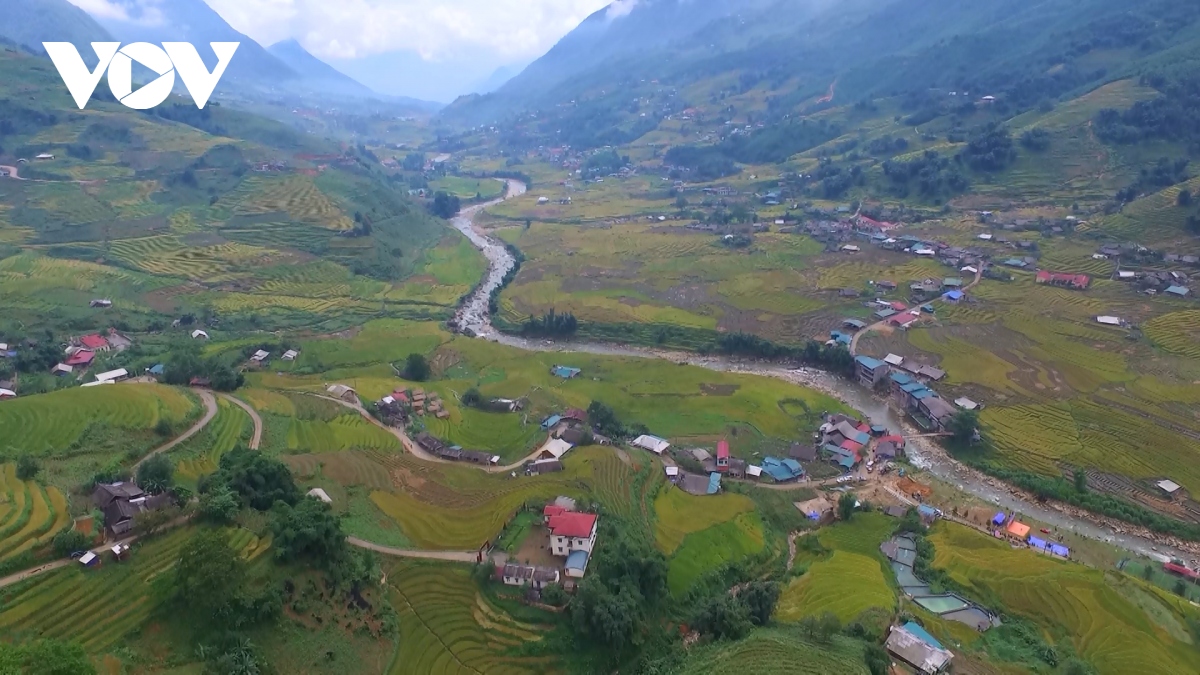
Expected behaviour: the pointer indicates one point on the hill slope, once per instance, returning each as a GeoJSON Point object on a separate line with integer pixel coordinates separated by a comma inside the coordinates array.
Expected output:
{"type": "Point", "coordinates": [29, 23]}
{"type": "Point", "coordinates": [317, 75]}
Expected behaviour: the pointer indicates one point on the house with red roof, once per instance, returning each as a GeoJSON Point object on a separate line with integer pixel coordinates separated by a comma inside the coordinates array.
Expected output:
{"type": "Point", "coordinates": [898, 306]}
{"type": "Point", "coordinates": [82, 357]}
{"type": "Point", "coordinates": [571, 531]}
{"type": "Point", "coordinates": [93, 342]}
{"type": "Point", "coordinates": [1078, 282]}
{"type": "Point", "coordinates": [574, 414]}
{"type": "Point", "coordinates": [722, 456]}
{"type": "Point", "coordinates": [550, 511]}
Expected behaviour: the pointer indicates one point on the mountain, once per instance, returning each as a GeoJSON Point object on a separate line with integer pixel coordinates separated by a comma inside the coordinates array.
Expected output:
{"type": "Point", "coordinates": [407, 73]}
{"type": "Point", "coordinates": [194, 21]}
{"type": "Point", "coordinates": [498, 78]}
{"type": "Point", "coordinates": [29, 23]}
{"type": "Point", "coordinates": [316, 73]}
{"type": "Point", "coordinates": [1022, 53]}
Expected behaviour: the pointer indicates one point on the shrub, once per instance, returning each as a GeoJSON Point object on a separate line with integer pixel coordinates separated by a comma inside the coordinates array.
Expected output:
{"type": "Point", "coordinates": [68, 541]}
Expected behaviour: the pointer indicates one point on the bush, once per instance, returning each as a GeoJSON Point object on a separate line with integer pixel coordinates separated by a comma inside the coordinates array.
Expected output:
{"type": "Point", "coordinates": [68, 541]}
{"type": "Point", "coordinates": [156, 474]}
{"type": "Point", "coordinates": [416, 368]}
{"type": "Point", "coordinates": [27, 467]}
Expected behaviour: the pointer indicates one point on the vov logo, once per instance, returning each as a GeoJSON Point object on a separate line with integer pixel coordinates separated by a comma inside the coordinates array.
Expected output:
{"type": "Point", "coordinates": [173, 57]}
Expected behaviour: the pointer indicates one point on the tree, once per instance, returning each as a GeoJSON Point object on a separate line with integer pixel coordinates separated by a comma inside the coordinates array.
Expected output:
{"type": "Point", "coordinates": [821, 628]}
{"type": "Point", "coordinates": [846, 505]}
{"type": "Point", "coordinates": [1081, 484]}
{"type": "Point", "coordinates": [472, 398]}
{"type": "Point", "coordinates": [219, 505]}
{"type": "Point", "coordinates": [416, 368]}
{"type": "Point", "coordinates": [1184, 198]}
{"type": "Point", "coordinates": [68, 541]}
{"type": "Point", "coordinates": [554, 594]}
{"type": "Point", "coordinates": [760, 598]}
{"type": "Point", "coordinates": [722, 617]}
{"type": "Point", "coordinates": [963, 425]}
{"type": "Point", "coordinates": [27, 467]}
{"type": "Point", "coordinates": [681, 202]}
{"type": "Point", "coordinates": [156, 474]}
{"type": "Point", "coordinates": [445, 205]}
{"type": "Point", "coordinates": [878, 661]}
{"type": "Point", "coordinates": [45, 657]}
{"type": "Point", "coordinates": [310, 530]}
{"type": "Point", "coordinates": [258, 481]}
{"type": "Point", "coordinates": [207, 575]}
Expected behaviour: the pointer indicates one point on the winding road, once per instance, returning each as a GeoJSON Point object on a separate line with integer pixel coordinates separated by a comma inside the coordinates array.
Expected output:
{"type": "Point", "coordinates": [880, 324]}
{"type": "Point", "coordinates": [256, 439]}
{"type": "Point", "coordinates": [210, 411]}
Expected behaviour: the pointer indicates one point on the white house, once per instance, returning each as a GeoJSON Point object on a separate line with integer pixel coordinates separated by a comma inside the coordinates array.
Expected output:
{"type": "Point", "coordinates": [113, 375]}
{"type": "Point", "coordinates": [528, 575]}
{"type": "Point", "coordinates": [555, 448]}
{"type": "Point", "coordinates": [290, 355]}
{"type": "Point", "coordinates": [571, 531]}
{"type": "Point", "coordinates": [652, 443]}
{"type": "Point", "coordinates": [850, 248]}
{"type": "Point", "coordinates": [893, 359]}
{"type": "Point", "coordinates": [1109, 320]}
{"type": "Point", "coordinates": [321, 494]}
{"type": "Point", "coordinates": [199, 335]}
{"type": "Point", "coordinates": [260, 356]}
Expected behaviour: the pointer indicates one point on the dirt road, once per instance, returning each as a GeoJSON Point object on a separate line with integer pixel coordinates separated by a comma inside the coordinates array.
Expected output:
{"type": "Point", "coordinates": [256, 439]}
{"type": "Point", "coordinates": [880, 324]}
{"type": "Point", "coordinates": [451, 556]}
{"type": "Point", "coordinates": [12, 172]}
{"type": "Point", "coordinates": [210, 411]}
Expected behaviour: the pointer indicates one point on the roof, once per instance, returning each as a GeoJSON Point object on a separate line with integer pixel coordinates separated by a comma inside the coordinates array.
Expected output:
{"type": "Point", "coordinates": [566, 372]}
{"type": "Point", "coordinates": [938, 407]}
{"type": "Point", "coordinates": [753, 470]}
{"type": "Point", "coordinates": [1177, 290]}
{"type": "Point", "coordinates": [320, 494]}
{"type": "Point", "coordinates": [926, 510]}
{"type": "Point", "coordinates": [802, 451]}
{"type": "Point", "coordinates": [898, 306]}
{"type": "Point", "coordinates": [156, 369]}
{"type": "Point", "coordinates": [1038, 542]}
{"type": "Point", "coordinates": [290, 355]}
{"type": "Point", "coordinates": [1060, 550]}
{"type": "Point", "coordinates": [93, 341]}
{"type": "Point", "coordinates": [260, 355]}
{"type": "Point", "coordinates": [551, 421]}
{"type": "Point", "coordinates": [885, 313]}
{"type": "Point", "coordinates": [931, 372]}
{"type": "Point", "coordinates": [999, 518]}
{"type": "Point", "coordinates": [782, 469]}
{"type": "Point", "coordinates": [199, 333]}
{"type": "Point", "coordinates": [920, 633]}
{"type": "Point", "coordinates": [671, 470]}
{"type": "Point", "coordinates": [965, 403]}
{"type": "Point", "coordinates": [87, 558]}
{"type": "Point", "coordinates": [571, 524]}
{"type": "Point", "coordinates": [553, 509]}
{"type": "Point", "coordinates": [1168, 486]}
{"type": "Point", "coordinates": [1018, 529]}
{"type": "Point", "coordinates": [339, 390]}
{"type": "Point", "coordinates": [574, 414]}
{"type": "Point", "coordinates": [80, 358]}
{"type": "Point", "coordinates": [869, 363]}
{"type": "Point", "coordinates": [557, 447]}
{"type": "Point", "coordinates": [722, 449]}
{"type": "Point", "coordinates": [700, 454]}
{"type": "Point", "coordinates": [952, 281]}
{"type": "Point", "coordinates": [1109, 320]}
{"type": "Point", "coordinates": [714, 483]}
{"type": "Point", "coordinates": [901, 378]}
{"type": "Point", "coordinates": [815, 507]}
{"type": "Point", "coordinates": [578, 560]}
{"type": "Point", "coordinates": [112, 375]}
{"type": "Point", "coordinates": [854, 323]}
{"type": "Point", "coordinates": [893, 359]}
{"type": "Point", "coordinates": [953, 295]}
{"type": "Point", "coordinates": [885, 449]}
{"type": "Point", "coordinates": [652, 443]}
{"type": "Point", "coordinates": [912, 387]}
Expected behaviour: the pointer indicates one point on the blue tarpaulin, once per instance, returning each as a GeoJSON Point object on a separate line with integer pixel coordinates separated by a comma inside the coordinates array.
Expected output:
{"type": "Point", "coordinates": [714, 483]}
{"type": "Point", "coordinates": [1060, 550]}
{"type": "Point", "coordinates": [999, 518]}
{"type": "Point", "coordinates": [551, 421]}
{"type": "Point", "coordinates": [1037, 543]}
{"type": "Point", "coordinates": [565, 372]}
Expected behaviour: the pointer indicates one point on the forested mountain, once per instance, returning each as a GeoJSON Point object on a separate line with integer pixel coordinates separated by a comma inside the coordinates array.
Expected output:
{"type": "Point", "coordinates": [795, 51]}
{"type": "Point", "coordinates": [29, 23]}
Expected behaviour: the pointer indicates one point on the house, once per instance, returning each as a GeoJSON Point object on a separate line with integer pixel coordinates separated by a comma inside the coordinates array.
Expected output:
{"type": "Point", "coordinates": [574, 435]}
{"type": "Point", "coordinates": [321, 494]}
{"type": "Point", "coordinates": [551, 421]}
{"type": "Point", "coordinates": [932, 373]}
{"type": "Point", "coordinates": [714, 484]}
{"type": "Point", "coordinates": [100, 303]}
{"type": "Point", "coordinates": [700, 454]}
{"type": "Point", "coordinates": [671, 472]}
{"type": "Point", "coordinates": [1109, 320]}
{"type": "Point", "coordinates": [122, 502]}
{"type": "Point", "coordinates": [541, 466]}
{"type": "Point", "coordinates": [1016, 262]}
{"type": "Point", "coordinates": [802, 452]}
{"type": "Point", "coordinates": [574, 414]}
{"type": "Point", "coordinates": [652, 443]}
{"type": "Point", "coordinates": [572, 531]}
{"type": "Point", "coordinates": [342, 392]}
{"type": "Point", "coordinates": [61, 369]}
{"type": "Point", "coordinates": [884, 313]}
{"type": "Point", "coordinates": [554, 448]}
{"type": "Point", "coordinates": [937, 410]}
{"type": "Point", "coordinates": [1168, 486]}
{"type": "Point", "coordinates": [893, 359]}
{"type": "Point", "coordinates": [869, 370]}
{"type": "Point", "coordinates": [44, 156]}
{"type": "Point", "coordinates": [722, 455]}
{"type": "Point", "coordinates": [565, 372]}
{"type": "Point", "coordinates": [953, 297]}
{"type": "Point", "coordinates": [199, 335]}
{"type": "Point", "coordinates": [113, 375]}
{"type": "Point", "coordinates": [93, 342]}
{"type": "Point", "coordinates": [1126, 275]}
{"type": "Point", "coordinates": [82, 357]}
{"type": "Point", "coordinates": [1078, 282]}
{"type": "Point", "coordinates": [897, 306]}
{"type": "Point", "coordinates": [89, 559]}
{"type": "Point", "coordinates": [1018, 530]}
{"type": "Point", "coordinates": [576, 564]}
{"type": "Point", "coordinates": [928, 513]}
{"type": "Point", "coordinates": [513, 574]}
{"type": "Point", "coordinates": [915, 647]}
{"type": "Point", "coordinates": [290, 355]}
{"type": "Point", "coordinates": [117, 341]}
{"type": "Point", "coordinates": [850, 248]}
{"type": "Point", "coordinates": [782, 470]}
{"type": "Point", "coordinates": [854, 324]}
{"type": "Point", "coordinates": [887, 450]}
{"type": "Point", "coordinates": [260, 356]}
{"type": "Point", "coordinates": [1178, 291]}
{"type": "Point", "coordinates": [817, 508]}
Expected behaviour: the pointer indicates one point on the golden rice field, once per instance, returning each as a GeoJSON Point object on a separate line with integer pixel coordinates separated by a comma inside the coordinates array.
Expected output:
{"type": "Point", "coordinates": [680, 514]}
{"type": "Point", "coordinates": [200, 454]}
{"type": "Point", "coordinates": [704, 551]}
{"type": "Point", "coordinates": [30, 514]}
{"type": "Point", "coordinates": [1176, 333]}
{"type": "Point", "coordinates": [447, 627]}
{"type": "Point", "coordinates": [49, 424]}
{"type": "Point", "coordinates": [294, 194]}
{"type": "Point", "coordinates": [68, 202]}
{"type": "Point", "coordinates": [775, 651]}
{"type": "Point", "coordinates": [169, 255]}
{"type": "Point", "coordinates": [97, 607]}
{"type": "Point", "coordinates": [1118, 624]}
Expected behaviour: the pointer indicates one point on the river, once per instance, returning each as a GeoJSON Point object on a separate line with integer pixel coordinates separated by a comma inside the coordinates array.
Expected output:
{"type": "Point", "coordinates": [924, 453]}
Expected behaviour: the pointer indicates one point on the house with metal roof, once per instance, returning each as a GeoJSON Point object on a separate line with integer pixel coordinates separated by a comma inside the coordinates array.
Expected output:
{"type": "Point", "coordinates": [913, 645]}
{"type": "Point", "coordinates": [1177, 291]}
{"type": "Point", "coordinates": [870, 370]}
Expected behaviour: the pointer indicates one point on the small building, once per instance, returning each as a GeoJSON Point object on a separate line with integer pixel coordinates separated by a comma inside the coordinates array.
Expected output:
{"type": "Point", "coordinates": [700, 454]}
{"type": "Point", "coordinates": [89, 559]}
{"type": "Point", "coordinates": [1168, 486]}
{"type": "Point", "coordinates": [803, 452]}
{"type": "Point", "coordinates": [541, 466]}
{"type": "Point", "coordinates": [915, 647]}
{"type": "Point", "coordinates": [574, 414]}
{"type": "Point", "coordinates": [44, 156]}
{"type": "Point", "coordinates": [652, 443]}
{"type": "Point", "coordinates": [62, 369]}
{"type": "Point", "coordinates": [782, 470]}
{"type": "Point", "coordinates": [551, 421]}
{"type": "Point", "coordinates": [342, 392]}
{"type": "Point", "coordinates": [113, 375]}
{"type": "Point", "coordinates": [952, 282]}
{"type": "Point", "coordinates": [81, 357]}
{"type": "Point", "coordinates": [93, 342]}
{"type": "Point", "coordinates": [884, 313]}
{"type": "Point", "coordinates": [576, 564]}
{"type": "Point", "coordinates": [102, 304]}
{"type": "Point", "coordinates": [555, 448]}
{"type": "Point", "coordinates": [869, 370]}
{"type": "Point", "coordinates": [319, 493]}
{"type": "Point", "coordinates": [156, 370]}
{"type": "Point", "coordinates": [953, 297]}
{"type": "Point", "coordinates": [722, 455]}
{"type": "Point", "coordinates": [565, 372]}
{"type": "Point", "coordinates": [513, 574]}
{"type": "Point", "coordinates": [6, 393]}
{"type": "Point", "coordinates": [817, 508]}
{"type": "Point", "coordinates": [290, 355]}
{"type": "Point", "coordinates": [671, 472]}
{"type": "Point", "coordinates": [1018, 530]}
{"type": "Point", "coordinates": [260, 356]}
{"type": "Point", "coordinates": [850, 248]}
{"type": "Point", "coordinates": [1177, 291]}
{"type": "Point", "coordinates": [199, 335]}
{"type": "Point", "coordinates": [1109, 320]}
{"type": "Point", "coordinates": [854, 324]}
{"type": "Point", "coordinates": [893, 359]}
{"type": "Point", "coordinates": [966, 403]}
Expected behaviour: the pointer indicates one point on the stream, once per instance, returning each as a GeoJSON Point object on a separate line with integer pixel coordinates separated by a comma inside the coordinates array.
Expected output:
{"type": "Point", "coordinates": [922, 452]}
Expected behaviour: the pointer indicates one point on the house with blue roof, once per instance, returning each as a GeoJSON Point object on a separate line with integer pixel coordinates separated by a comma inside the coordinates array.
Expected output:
{"type": "Point", "coordinates": [550, 421]}
{"type": "Point", "coordinates": [156, 370]}
{"type": "Point", "coordinates": [841, 338]}
{"type": "Point", "coordinates": [782, 470]}
{"type": "Point", "coordinates": [870, 371]}
{"type": "Point", "coordinates": [714, 483]}
{"type": "Point", "coordinates": [953, 297]}
{"type": "Point", "coordinates": [576, 564]}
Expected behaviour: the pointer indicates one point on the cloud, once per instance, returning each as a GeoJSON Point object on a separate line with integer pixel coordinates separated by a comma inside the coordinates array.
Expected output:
{"type": "Point", "coordinates": [436, 29]}
{"type": "Point", "coordinates": [620, 8]}
{"type": "Point", "coordinates": [146, 12]}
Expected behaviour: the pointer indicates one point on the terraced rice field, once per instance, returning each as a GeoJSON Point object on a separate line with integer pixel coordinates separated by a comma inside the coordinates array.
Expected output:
{"type": "Point", "coordinates": [30, 514]}
{"type": "Point", "coordinates": [680, 514]}
{"type": "Point", "coordinates": [447, 627]}
{"type": "Point", "coordinates": [775, 651]}
{"type": "Point", "coordinates": [1111, 620]}
{"type": "Point", "coordinates": [1176, 333]}
{"type": "Point", "coordinates": [706, 550]}
{"type": "Point", "coordinates": [293, 194]}
{"type": "Point", "coordinates": [343, 432]}
{"type": "Point", "coordinates": [96, 607]}
{"type": "Point", "coordinates": [49, 424]}
{"type": "Point", "coordinates": [200, 454]}
{"type": "Point", "coordinates": [849, 581]}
